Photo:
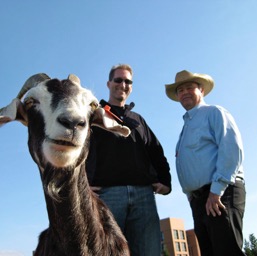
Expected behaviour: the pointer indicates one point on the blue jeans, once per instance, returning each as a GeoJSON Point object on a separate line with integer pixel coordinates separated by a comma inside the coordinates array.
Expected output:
{"type": "Point", "coordinates": [135, 211]}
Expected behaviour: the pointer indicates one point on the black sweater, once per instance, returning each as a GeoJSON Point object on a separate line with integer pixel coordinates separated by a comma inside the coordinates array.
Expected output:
{"type": "Point", "coordinates": [136, 160]}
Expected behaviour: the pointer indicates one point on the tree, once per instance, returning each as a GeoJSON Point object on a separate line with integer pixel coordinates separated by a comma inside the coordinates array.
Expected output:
{"type": "Point", "coordinates": [250, 246]}
{"type": "Point", "coordinates": [165, 251]}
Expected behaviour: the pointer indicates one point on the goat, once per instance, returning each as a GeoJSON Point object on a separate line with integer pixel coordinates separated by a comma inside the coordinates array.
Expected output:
{"type": "Point", "coordinates": [58, 114]}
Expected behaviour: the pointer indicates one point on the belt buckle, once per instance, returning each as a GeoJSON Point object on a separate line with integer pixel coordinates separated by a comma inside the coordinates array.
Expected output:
{"type": "Point", "coordinates": [196, 193]}
{"type": "Point", "coordinates": [199, 192]}
{"type": "Point", "coordinates": [240, 179]}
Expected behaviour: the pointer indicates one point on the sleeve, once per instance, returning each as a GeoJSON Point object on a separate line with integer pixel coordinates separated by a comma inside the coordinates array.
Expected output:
{"type": "Point", "coordinates": [157, 157]}
{"type": "Point", "coordinates": [230, 150]}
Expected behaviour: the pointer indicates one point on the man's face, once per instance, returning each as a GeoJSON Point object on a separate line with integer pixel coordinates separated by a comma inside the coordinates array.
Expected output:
{"type": "Point", "coordinates": [120, 87]}
{"type": "Point", "coordinates": [189, 94]}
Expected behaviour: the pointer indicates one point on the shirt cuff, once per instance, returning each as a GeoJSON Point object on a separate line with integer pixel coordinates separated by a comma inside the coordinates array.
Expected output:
{"type": "Point", "coordinates": [218, 188]}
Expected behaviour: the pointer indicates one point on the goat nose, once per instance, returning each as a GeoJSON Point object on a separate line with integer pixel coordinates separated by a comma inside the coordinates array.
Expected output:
{"type": "Point", "coordinates": [71, 121]}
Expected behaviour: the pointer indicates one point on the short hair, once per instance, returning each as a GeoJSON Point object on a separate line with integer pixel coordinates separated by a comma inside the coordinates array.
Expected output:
{"type": "Point", "coordinates": [120, 66]}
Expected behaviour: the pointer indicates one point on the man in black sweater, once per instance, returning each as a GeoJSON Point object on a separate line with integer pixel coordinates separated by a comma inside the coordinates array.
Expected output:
{"type": "Point", "coordinates": [126, 172]}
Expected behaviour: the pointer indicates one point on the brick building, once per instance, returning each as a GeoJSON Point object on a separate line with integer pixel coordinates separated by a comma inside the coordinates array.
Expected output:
{"type": "Point", "coordinates": [176, 241]}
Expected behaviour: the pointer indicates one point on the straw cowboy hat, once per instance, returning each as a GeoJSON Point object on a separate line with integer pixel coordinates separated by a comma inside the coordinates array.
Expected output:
{"type": "Point", "coordinates": [185, 76]}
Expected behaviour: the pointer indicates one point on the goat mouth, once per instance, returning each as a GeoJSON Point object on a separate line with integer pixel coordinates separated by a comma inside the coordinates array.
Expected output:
{"type": "Point", "coordinates": [61, 142]}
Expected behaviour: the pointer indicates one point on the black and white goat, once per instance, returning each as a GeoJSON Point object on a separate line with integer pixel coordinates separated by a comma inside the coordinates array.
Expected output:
{"type": "Point", "coordinates": [58, 115]}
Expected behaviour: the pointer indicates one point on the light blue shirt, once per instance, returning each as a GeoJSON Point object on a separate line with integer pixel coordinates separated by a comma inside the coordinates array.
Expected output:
{"type": "Point", "coordinates": [209, 150]}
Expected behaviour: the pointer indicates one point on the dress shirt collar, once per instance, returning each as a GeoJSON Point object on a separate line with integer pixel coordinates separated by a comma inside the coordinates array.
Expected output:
{"type": "Point", "coordinates": [190, 113]}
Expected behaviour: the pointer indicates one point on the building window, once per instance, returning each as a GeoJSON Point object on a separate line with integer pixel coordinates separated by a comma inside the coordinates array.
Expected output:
{"type": "Point", "coordinates": [182, 234]}
{"type": "Point", "coordinates": [177, 244]}
{"type": "Point", "coordinates": [175, 234]}
{"type": "Point", "coordinates": [183, 247]}
{"type": "Point", "coordinates": [162, 236]}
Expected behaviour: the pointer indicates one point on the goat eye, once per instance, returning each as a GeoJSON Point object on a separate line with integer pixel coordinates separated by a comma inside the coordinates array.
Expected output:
{"type": "Point", "coordinates": [94, 105]}
{"type": "Point", "coordinates": [29, 103]}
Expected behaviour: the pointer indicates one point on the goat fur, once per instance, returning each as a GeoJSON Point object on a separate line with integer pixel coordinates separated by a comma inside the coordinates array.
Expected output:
{"type": "Point", "coordinates": [58, 114]}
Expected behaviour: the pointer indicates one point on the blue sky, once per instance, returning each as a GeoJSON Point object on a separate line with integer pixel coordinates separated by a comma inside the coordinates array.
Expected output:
{"type": "Point", "coordinates": [158, 39]}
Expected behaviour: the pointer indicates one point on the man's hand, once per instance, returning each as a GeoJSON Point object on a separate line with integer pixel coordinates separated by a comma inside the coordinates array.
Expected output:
{"type": "Point", "coordinates": [95, 189]}
{"type": "Point", "coordinates": [213, 205]}
{"type": "Point", "coordinates": [159, 188]}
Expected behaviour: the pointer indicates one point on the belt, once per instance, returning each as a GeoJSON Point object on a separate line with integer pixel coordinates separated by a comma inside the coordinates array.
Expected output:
{"type": "Point", "coordinates": [202, 191]}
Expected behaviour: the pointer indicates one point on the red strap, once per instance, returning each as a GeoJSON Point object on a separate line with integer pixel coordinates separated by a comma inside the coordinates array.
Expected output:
{"type": "Point", "coordinates": [108, 110]}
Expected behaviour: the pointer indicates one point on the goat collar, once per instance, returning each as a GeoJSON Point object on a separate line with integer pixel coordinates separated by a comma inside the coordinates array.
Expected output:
{"type": "Point", "coordinates": [127, 107]}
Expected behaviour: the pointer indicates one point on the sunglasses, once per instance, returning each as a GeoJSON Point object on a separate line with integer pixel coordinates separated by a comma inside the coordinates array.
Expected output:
{"type": "Point", "coordinates": [119, 80]}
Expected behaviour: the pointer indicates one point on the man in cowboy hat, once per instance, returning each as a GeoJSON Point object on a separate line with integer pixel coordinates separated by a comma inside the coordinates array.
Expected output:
{"type": "Point", "coordinates": [209, 156]}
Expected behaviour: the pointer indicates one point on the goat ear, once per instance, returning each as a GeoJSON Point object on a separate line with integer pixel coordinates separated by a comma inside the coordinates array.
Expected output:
{"type": "Point", "coordinates": [13, 111]}
{"type": "Point", "coordinates": [74, 78]}
{"type": "Point", "coordinates": [107, 122]}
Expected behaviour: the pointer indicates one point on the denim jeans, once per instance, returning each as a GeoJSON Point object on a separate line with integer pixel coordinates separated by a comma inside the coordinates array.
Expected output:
{"type": "Point", "coordinates": [221, 235]}
{"type": "Point", "coordinates": [135, 211]}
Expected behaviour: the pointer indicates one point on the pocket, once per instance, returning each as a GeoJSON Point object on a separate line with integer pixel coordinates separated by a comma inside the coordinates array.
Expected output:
{"type": "Point", "coordinates": [234, 197]}
{"type": "Point", "coordinates": [193, 138]}
{"type": "Point", "coordinates": [239, 196]}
